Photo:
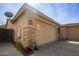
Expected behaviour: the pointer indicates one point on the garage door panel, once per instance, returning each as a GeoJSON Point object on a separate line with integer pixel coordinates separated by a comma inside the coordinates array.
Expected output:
{"type": "Point", "coordinates": [74, 33]}
{"type": "Point", "coordinates": [45, 33]}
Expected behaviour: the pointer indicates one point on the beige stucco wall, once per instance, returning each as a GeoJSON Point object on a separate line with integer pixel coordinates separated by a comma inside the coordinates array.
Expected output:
{"type": "Point", "coordinates": [70, 32]}
{"type": "Point", "coordinates": [20, 28]}
{"type": "Point", "coordinates": [62, 34]}
{"type": "Point", "coordinates": [10, 25]}
{"type": "Point", "coordinates": [46, 31]}
{"type": "Point", "coordinates": [41, 31]}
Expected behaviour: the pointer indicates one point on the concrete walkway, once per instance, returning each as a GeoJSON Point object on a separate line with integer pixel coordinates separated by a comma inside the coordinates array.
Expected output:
{"type": "Point", "coordinates": [7, 49]}
{"type": "Point", "coordinates": [59, 48]}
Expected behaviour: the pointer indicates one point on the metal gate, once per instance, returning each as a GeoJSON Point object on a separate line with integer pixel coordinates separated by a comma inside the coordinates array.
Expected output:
{"type": "Point", "coordinates": [6, 35]}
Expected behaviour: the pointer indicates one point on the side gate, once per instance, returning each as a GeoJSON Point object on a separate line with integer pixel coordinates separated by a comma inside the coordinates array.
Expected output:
{"type": "Point", "coordinates": [6, 35]}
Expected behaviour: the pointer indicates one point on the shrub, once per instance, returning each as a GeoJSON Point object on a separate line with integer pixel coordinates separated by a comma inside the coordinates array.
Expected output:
{"type": "Point", "coordinates": [20, 47]}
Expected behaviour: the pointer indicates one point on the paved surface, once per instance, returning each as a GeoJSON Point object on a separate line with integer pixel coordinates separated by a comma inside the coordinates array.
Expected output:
{"type": "Point", "coordinates": [60, 48]}
{"type": "Point", "coordinates": [7, 49]}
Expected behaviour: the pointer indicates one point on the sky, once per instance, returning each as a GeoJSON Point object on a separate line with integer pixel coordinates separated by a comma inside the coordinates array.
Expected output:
{"type": "Point", "coordinates": [62, 13]}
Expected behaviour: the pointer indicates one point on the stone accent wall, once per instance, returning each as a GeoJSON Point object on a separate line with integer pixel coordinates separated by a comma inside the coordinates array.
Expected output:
{"type": "Point", "coordinates": [28, 36]}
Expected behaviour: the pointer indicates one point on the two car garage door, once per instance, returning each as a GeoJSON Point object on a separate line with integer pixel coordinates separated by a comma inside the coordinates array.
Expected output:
{"type": "Point", "coordinates": [45, 33]}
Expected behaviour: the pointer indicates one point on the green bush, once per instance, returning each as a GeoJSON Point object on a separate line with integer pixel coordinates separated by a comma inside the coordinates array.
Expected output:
{"type": "Point", "coordinates": [19, 46]}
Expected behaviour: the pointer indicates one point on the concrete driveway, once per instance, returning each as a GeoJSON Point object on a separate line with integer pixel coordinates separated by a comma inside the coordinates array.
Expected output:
{"type": "Point", "coordinates": [7, 49]}
{"type": "Point", "coordinates": [59, 48]}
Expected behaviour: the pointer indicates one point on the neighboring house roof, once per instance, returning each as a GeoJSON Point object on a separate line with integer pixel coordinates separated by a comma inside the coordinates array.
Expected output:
{"type": "Point", "coordinates": [2, 26]}
{"type": "Point", "coordinates": [25, 6]}
{"type": "Point", "coordinates": [70, 24]}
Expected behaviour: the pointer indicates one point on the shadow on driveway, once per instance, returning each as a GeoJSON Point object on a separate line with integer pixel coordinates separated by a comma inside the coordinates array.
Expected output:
{"type": "Point", "coordinates": [59, 48]}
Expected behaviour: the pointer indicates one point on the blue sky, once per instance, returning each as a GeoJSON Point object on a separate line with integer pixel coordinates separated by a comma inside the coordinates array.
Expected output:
{"type": "Point", "coordinates": [62, 13]}
{"type": "Point", "coordinates": [8, 7]}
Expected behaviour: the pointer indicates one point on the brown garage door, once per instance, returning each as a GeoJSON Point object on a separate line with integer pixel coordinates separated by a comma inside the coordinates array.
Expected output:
{"type": "Point", "coordinates": [44, 33]}
{"type": "Point", "coordinates": [73, 33]}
